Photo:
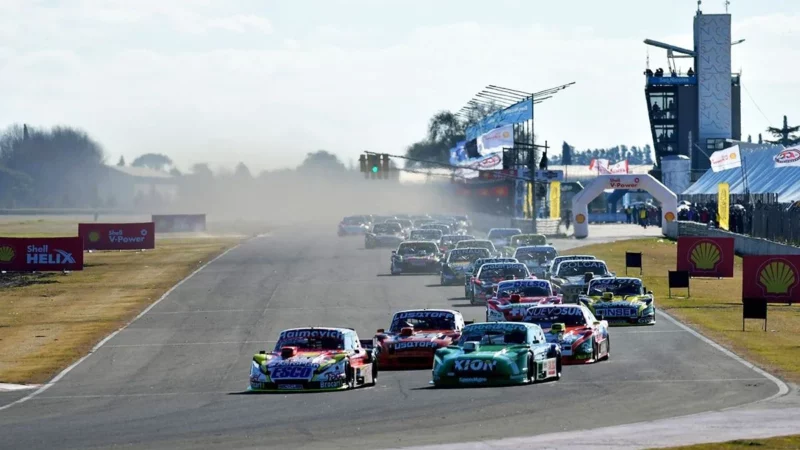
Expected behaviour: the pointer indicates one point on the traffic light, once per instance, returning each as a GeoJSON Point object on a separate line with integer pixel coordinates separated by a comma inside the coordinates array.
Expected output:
{"type": "Point", "coordinates": [362, 162]}
{"type": "Point", "coordinates": [385, 166]}
{"type": "Point", "coordinates": [373, 164]}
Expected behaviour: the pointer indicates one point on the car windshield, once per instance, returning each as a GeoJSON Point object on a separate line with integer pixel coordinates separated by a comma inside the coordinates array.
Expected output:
{"type": "Point", "coordinates": [354, 220]}
{"type": "Point", "coordinates": [405, 223]}
{"type": "Point", "coordinates": [617, 287]}
{"type": "Point", "coordinates": [386, 228]}
{"type": "Point", "coordinates": [495, 336]}
{"type": "Point", "coordinates": [427, 235]}
{"type": "Point", "coordinates": [546, 316]}
{"type": "Point", "coordinates": [560, 259]}
{"type": "Point", "coordinates": [575, 268]}
{"type": "Point", "coordinates": [311, 339]}
{"type": "Point", "coordinates": [528, 239]}
{"type": "Point", "coordinates": [539, 256]}
{"type": "Point", "coordinates": [423, 320]}
{"type": "Point", "coordinates": [417, 248]}
{"type": "Point", "coordinates": [535, 289]}
{"type": "Point", "coordinates": [451, 239]}
{"type": "Point", "coordinates": [420, 222]}
{"type": "Point", "coordinates": [504, 272]}
{"type": "Point", "coordinates": [436, 226]}
{"type": "Point", "coordinates": [503, 233]}
{"type": "Point", "coordinates": [467, 255]}
{"type": "Point", "coordinates": [488, 245]}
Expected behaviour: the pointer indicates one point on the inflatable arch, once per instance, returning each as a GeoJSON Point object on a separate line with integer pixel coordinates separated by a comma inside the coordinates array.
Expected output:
{"type": "Point", "coordinates": [580, 203]}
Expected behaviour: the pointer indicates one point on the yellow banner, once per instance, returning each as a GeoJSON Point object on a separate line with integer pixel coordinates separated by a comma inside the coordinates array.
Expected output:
{"type": "Point", "coordinates": [529, 202]}
{"type": "Point", "coordinates": [555, 199]}
{"type": "Point", "coordinates": [724, 205]}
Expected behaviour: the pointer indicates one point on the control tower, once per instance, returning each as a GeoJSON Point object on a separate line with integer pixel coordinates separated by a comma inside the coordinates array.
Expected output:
{"type": "Point", "coordinates": [695, 110]}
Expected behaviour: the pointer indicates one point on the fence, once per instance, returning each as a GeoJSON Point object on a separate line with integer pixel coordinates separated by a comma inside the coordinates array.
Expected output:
{"type": "Point", "coordinates": [772, 221]}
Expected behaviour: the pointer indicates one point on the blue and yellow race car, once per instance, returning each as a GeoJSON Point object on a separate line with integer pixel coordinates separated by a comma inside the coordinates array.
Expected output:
{"type": "Point", "coordinates": [620, 301]}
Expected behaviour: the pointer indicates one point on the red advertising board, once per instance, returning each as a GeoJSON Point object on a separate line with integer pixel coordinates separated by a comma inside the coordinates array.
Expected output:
{"type": "Point", "coordinates": [41, 254]}
{"type": "Point", "coordinates": [117, 236]}
{"type": "Point", "coordinates": [775, 278]}
{"type": "Point", "coordinates": [706, 256]}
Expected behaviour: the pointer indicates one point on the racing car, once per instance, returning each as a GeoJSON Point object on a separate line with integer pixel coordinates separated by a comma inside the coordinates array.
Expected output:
{"type": "Point", "coordinates": [458, 263]}
{"type": "Point", "coordinates": [536, 257]}
{"type": "Point", "coordinates": [353, 225]}
{"type": "Point", "coordinates": [620, 301]}
{"type": "Point", "coordinates": [513, 298]}
{"type": "Point", "coordinates": [449, 241]}
{"type": "Point", "coordinates": [571, 278]}
{"type": "Point", "coordinates": [500, 237]}
{"type": "Point", "coordinates": [414, 335]}
{"type": "Point", "coordinates": [522, 240]}
{"type": "Point", "coordinates": [443, 227]}
{"type": "Point", "coordinates": [416, 256]}
{"type": "Point", "coordinates": [315, 359]}
{"type": "Point", "coordinates": [405, 224]}
{"type": "Point", "coordinates": [479, 243]}
{"type": "Point", "coordinates": [490, 274]}
{"type": "Point", "coordinates": [425, 235]}
{"type": "Point", "coordinates": [554, 263]}
{"type": "Point", "coordinates": [470, 275]}
{"type": "Point", "coordinates": [497, 354]}
{"type": "Point", "coordinates": [384, 235]}
{"type": "Point", "coordinates": [582, 338]}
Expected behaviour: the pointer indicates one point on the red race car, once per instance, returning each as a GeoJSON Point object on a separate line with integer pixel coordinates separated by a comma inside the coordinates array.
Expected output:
{"type": "Point", "coordinates": [583, 338]}
{"type": "Point", "coordinates": [513, 298]}
{"type": "Point", "coordinates": [415, 335]}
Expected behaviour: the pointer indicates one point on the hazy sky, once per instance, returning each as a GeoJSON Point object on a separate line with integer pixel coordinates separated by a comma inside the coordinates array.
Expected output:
{"type": "Point", "coordinates": [265, 82]}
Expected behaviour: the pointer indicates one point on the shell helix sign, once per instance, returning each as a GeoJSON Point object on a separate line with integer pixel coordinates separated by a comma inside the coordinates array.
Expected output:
{"type": "Point", "coordinates": [775, 278]}
{"type": "Point", "coordinates": [710, 257]}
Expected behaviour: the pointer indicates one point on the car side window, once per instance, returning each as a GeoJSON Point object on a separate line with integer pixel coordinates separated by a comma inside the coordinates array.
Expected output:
{"type": "Point", "coordinates": [349, 342]}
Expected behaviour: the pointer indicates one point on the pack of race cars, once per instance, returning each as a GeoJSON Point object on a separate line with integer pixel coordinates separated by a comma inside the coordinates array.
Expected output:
{"type": "Point", "coordinates": [543, 311]}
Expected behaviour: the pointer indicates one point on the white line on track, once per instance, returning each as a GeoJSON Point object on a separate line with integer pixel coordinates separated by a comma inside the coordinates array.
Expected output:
{"type": "Point", "coordinates": [206, 311]}
{"type": "Point", "coordinates": [618, 331]}
{"type": "Point", "coordinates": [182, 344]}
{"type": "Point", "coordinates": [64, 372]}
{"type": "Point", "coordinates": [7, 387]}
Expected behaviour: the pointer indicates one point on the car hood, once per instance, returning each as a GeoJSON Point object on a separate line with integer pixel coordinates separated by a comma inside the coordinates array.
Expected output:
{"type": "Point", "coordinates": [314, 359]}
{"type": "Point", "coordinates": [568, 337]}
{"type": "Point", "coordinates": [632, 301]}
{"type": "Point", "coordinates": [517, 311]}
{"type": "Point", "coordinates": [460, 266]}
{"type": "Point", "coordinates": [576, 279]}
{"type": "Point", "coordinates": [428, 339]}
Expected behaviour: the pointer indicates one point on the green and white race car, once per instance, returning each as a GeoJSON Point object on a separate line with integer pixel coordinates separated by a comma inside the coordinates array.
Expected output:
{"type": "Point", "coordinates": [497, 354]}
{"type": "Point", "coordinates": [620, 301]}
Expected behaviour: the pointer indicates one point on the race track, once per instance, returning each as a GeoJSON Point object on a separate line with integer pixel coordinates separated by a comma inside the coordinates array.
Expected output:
{"type": "Point", "coordinates": [175, 378]}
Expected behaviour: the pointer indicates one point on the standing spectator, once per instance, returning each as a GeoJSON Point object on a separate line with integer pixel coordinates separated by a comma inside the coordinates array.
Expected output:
{"type": "Point", "coordinates": [628, 212]}
{"type": "Point", "coordinates": [643, 217]}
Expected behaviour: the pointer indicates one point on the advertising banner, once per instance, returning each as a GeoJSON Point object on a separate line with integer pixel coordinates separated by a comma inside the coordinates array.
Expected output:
{"type": "Point", "coordinates": [117, 236]}
{"type": "Point", "coordinates": [788, 157]}
{"type": "Point", "coordinates": [549, 175]}
{"type": "Point", "coordinates": [496, 140]}
{"type": "Point", "coordinates": [724, 205]}
{"type": "Point", "coordinates": [604, 167]}
{"type": "Point", "coordinates": [706, 256]}
{"type": "Point", "coordinates": [555, 200]}
{"type": "Point", "coordinates": [774, 278]}
{"type": "Point", "coordinates": [516, 113]}
{"type": "Point", "coordinates": [725, 159]}
{"type": "Point", "coordinates": [492, 161]}
{"type": "Point", "coordinates": [458, 154]}
{"type": "Point", "coordinates": [174, 223]}
{"type": "Point", "coordinates": [41, 254]}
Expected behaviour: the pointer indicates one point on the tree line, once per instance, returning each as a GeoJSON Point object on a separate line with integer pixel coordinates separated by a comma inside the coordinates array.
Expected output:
{"type": "Point", "coordinates": [634, 155]}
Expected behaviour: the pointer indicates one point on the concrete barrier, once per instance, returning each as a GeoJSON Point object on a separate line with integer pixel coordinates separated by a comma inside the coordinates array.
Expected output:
{"type": "Point", "coordinates": [485, 222]}
{"type": "Point", "coordinates": [744, 245]}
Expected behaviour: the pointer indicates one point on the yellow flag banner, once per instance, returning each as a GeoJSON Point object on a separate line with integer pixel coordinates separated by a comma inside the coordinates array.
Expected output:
{"type": "Point", "coordinates": [555, 199]}
{"type": "Point", "coordinates": [724, 205]}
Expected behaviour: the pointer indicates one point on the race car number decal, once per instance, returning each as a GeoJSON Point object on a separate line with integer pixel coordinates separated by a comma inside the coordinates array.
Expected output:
{"type": "Point", "coordinates": [291, 372]}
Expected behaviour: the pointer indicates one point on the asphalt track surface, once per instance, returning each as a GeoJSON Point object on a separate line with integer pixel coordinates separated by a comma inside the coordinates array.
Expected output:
{"type": "Point", "coordinates": [175, 378]}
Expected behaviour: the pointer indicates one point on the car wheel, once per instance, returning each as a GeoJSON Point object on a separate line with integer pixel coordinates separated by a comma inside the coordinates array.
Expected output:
{"type": "Point", "coordinates": [608, 349]}
{"type": "Point", "coordinates": [558, 368]}
{"type": "Point", "coordinates": [595, 352]}
{"type": "Point", "coordinates": [374, 372]}
{"type": "Point", "coordinates": [531, 369]}
{"type": "Point", "coordinates": [350, 376]}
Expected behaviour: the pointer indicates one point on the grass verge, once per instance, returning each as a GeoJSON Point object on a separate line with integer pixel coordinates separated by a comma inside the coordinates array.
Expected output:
{"type": "Point", "coordinates": [778, 443]}
{"type": "Point", "coordinates": [47, 321]}
{"type": "Point", "coordinates": [715, 306]}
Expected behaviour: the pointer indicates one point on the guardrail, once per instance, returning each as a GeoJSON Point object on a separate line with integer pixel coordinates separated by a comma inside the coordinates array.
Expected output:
{"type": "Point", "coordinates": [744, 245]}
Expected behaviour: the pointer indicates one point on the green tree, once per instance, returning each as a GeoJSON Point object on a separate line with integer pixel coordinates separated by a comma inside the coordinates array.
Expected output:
{"type": "Point", "coordinates": [121, 162]}
{"type": "Point", "coordinates": [155, 161]}
{"type": "Point", "coordinates": [321, 161]}
{"type": "Point", "coordinates": [785, 135]}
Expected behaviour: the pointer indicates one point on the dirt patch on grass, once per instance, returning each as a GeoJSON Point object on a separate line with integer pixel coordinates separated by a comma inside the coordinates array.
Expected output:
{"type": "Point", "coordinates": [47, 321]}
{"type": "Point", "coordinates": [778, 443]}
{"type": "Point", "coordinates": [715, 306]}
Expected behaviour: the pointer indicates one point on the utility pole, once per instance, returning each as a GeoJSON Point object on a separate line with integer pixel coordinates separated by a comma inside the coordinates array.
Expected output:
{"type": "Point", "coordinates": [532, 175]}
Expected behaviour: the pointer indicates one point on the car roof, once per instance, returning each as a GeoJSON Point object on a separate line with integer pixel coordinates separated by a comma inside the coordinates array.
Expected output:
{"type": "Point", "coordinates": [473, 249]}
{"type": "Point", "coordinates": [507, 263]}
{"type": "Point", "coordinates": [559, 305]}
{"type": "Point", "coordinates": [453, 311]}
{"type": "Point", "coordinates": [536, 280]}
{"type": "Point", "coordinates": [576, 256]}
{"type": "Point", "coordinates": [501, 325]}
{"type": "Point", "coordinates": [418, 242]}
{"type": "Point", "coordinates": [506, 229]}
{"type": "Point", "coordinates": [617, 278]}
{"type": "Point", "coordinates": [536, 247]}
{"type": "Point", "coordinates": [342, 330]}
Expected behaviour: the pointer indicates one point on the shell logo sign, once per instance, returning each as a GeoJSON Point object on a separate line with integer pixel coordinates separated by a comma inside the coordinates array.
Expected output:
{"type": "Point", "coordinates": [623, 183]}
{"type": "Point", "coordinates": [706, 257]}
{"type": "Point", "coordinates": [94, 236]}
{"type": "Point", "coordinates": [669, 216]}
{"type": "Point", "coordinates": [580, 218]}
{"type": "Point", "coordinates": [506, 135]}
{"type": "Point", "coordinates": [6, 254]}
{"type": "Point", "coordinates": [771, 278]}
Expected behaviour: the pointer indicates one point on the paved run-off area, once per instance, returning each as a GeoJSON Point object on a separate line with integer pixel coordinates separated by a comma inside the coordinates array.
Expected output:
{"type": "Point", "coordinates": [175, 377]}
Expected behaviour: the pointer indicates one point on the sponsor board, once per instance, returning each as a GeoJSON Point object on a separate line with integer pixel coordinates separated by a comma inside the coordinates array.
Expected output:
{"type": "Point", "coordinates": [789, 157]}
{"type": "Point", "coordinates": [623, 183]}
{"type": "Point", "coordinates": [774, 278]}
{"type": "Point", "coordinates": [728, 158]}
{"type": "Point", "coordinates": [41, 254]}
{"type": "Point", "coordinates": [706, 256]}
{"type": "Point", "coordinates": [117, 236]}
{"type": "Point", "coordinates": [177, 223]}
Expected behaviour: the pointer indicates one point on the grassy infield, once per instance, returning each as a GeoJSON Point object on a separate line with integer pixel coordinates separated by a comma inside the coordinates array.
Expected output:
{"type": "Point", "coordinates": [715, 309]}
{"type": "Point", "coordinates": [82, 307]}
{"type": "Point", "coordinates": [47, 321]}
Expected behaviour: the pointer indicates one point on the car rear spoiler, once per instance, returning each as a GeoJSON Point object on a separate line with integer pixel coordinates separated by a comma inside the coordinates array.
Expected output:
{"type": "Point", "coordinates": [367, 344]}
{"type": "Point", "coordinates": [469, 322]}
